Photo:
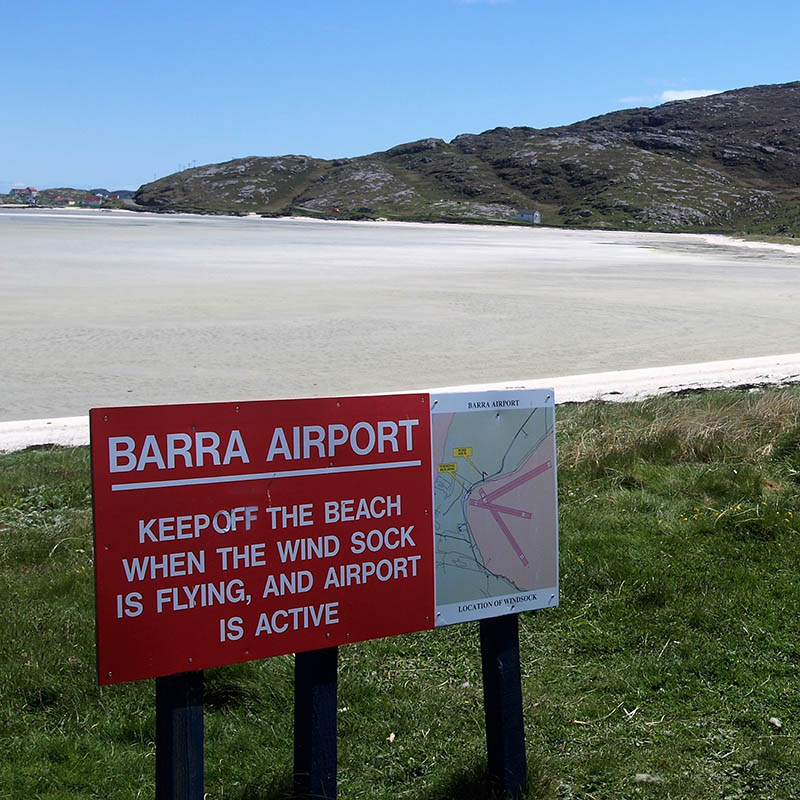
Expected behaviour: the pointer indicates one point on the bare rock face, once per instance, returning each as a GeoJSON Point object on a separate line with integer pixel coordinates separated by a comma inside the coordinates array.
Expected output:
{"type": "Point", "coordinates": [725, 162]}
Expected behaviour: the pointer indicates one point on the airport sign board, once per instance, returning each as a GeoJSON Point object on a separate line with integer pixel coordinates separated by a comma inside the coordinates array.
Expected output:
{"type": "Point", "coordinates": [226, 532]}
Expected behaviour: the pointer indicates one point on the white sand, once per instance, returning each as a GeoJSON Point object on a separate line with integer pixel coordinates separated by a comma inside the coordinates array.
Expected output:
{"type": "Point", "coordinates": [618, 386]}
{"type": "Point", "coordinates": [106, 309]}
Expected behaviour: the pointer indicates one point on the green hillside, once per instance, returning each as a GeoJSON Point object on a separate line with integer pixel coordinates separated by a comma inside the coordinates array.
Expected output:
{"type": "Point", "coordinates": [726, 162]}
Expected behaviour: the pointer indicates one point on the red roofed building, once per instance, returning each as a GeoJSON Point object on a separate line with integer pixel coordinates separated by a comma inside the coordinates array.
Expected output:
{"type": "Point", "coordinates": [28, 192]}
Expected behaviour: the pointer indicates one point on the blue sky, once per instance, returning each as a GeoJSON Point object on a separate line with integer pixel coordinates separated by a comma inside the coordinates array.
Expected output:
{"type": "Point", "coordinates": [112, 94]}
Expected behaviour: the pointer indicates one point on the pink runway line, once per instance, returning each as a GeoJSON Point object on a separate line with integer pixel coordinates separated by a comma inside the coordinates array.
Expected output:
{"type": "Point", "coordinates": [503, 527]}
{"type": "Point", "coordinates": [514, 512]}
{"type": "Point", "coordinates": [517, 482]}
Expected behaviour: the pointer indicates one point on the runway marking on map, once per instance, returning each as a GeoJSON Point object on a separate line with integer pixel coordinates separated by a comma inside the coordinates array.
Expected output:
{"type": "Point", "coordinates": [486, 501]}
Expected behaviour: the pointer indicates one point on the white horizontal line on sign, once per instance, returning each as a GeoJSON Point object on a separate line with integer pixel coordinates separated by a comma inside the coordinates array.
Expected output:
{"type": "Point", "coordinates": [261, 476]}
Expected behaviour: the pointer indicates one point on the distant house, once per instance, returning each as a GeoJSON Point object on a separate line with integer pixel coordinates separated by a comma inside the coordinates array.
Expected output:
{"type": "Point", "coordinates": [92, 200]}
{"type": "Point", "coordinates": [529, 216]}
{"type": "Point", "coordinates": [28, 193]}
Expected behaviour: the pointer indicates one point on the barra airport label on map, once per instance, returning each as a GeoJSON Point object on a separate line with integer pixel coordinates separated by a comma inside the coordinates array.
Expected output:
{"type": "Point", "coordinates": [495, 516]}
{"type": "Point", "coordinates": [229, 532]}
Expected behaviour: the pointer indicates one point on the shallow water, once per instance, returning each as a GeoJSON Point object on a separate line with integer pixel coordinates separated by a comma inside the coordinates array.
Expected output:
{"type": "Point", "coordinates": [111, 308]}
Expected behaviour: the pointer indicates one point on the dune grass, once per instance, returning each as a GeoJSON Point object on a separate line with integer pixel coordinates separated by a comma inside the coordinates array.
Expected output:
{"type": "Point", "coordinates": [669, 670]}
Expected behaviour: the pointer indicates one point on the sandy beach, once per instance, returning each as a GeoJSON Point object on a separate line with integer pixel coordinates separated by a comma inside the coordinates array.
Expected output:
{"type": "Point", "coordinates": [104, 309]}
{"type": "Point", "coordinates": [627, 385]}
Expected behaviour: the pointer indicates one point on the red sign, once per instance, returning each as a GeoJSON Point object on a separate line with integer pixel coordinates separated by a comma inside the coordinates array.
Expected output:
{"type": "Point", "coordinates": [228, 532]}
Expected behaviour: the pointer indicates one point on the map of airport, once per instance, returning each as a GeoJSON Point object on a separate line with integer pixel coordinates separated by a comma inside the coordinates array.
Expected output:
{"type": "Point", "coordinates": [495, 526]}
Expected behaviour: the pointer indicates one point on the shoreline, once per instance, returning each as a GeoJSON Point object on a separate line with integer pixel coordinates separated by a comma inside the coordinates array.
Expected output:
{"type": "Point", "coordinates": [617, 386]}
{"type": "Point", "coordinates": [711, 237]}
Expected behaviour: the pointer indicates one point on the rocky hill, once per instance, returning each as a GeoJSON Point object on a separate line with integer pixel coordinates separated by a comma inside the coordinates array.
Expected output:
{"type": "Point", "coordinates": [59, 196]}
{"type": "Point", "coordinates": [729, 161]}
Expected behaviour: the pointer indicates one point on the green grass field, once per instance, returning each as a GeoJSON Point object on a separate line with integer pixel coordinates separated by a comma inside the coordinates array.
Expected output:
{"type": "Point", "coordinates": [669, 670]}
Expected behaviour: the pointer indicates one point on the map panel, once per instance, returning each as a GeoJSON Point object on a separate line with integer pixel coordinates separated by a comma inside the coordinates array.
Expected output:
{"type": "Point", "coordinates": [495, 514]}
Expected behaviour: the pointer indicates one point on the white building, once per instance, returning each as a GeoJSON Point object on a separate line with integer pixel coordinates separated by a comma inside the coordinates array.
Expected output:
{"type": "Point", "coordinates": [526, 215]}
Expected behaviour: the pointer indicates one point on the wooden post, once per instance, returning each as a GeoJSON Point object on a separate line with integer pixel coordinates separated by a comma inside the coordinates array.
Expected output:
{"type": "Point", "coordinates": [179, 737]}
{"type": "Point", "coordinates": [502, 700]}
{"type": "Point", "coordinates": [315, 694]}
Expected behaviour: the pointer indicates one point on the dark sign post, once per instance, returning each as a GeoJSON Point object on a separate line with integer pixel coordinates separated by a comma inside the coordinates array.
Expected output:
{"type": "Point", "coordinates": [179, 737]}
{"type": "Point", "coordinates": [231, 532]}
{"type": "Point", "coordinates": [502, 701]}
{"type": "Point", "coordinates": [315, 692]}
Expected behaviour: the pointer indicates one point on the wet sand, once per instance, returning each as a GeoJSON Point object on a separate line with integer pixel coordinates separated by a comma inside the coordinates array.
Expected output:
{"type": "Point", "coordinates": [104, 309]}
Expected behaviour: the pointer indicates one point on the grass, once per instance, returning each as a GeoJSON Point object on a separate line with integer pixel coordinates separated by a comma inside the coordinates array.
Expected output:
{"type": "Point", "coordinates": [670, 669]}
